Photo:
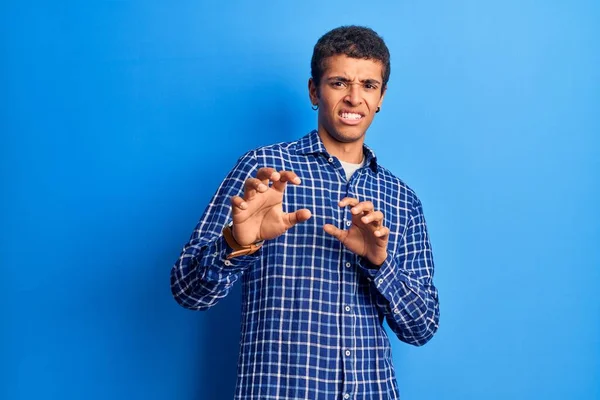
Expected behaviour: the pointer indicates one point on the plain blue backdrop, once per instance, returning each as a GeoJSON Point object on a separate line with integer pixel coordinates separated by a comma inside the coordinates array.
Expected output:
{"type": "Point", "coordinates": [120, 118]}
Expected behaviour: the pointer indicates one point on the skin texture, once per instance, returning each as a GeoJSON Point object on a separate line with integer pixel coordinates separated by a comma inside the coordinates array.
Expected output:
{"type": "Point", "coordinates": [259, 214]}
{"type": "Point", "coordinates": [352, 85]}
{"type": "Point", "coordinates": [366, 236]}
{"type": "Point", "coordinates": [348, 85]}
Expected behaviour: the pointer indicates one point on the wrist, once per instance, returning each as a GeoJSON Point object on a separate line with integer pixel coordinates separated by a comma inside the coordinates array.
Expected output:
{"type": "Point", "coordinates": [236, 247]}
{"type": "Point", "coordinates": [235, 237]}
{"type": "Point", "coordinates": [375, 263]}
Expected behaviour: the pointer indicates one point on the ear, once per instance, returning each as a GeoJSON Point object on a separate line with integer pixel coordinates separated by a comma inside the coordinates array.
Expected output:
{"type": "Point", "coordinates": [382, 96]}
{"type": "Point", "coordinates": [313, 92]}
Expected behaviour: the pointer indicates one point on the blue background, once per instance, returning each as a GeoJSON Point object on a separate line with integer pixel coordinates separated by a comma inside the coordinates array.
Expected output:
{"type": "Point", "coordinates": [120, 118]}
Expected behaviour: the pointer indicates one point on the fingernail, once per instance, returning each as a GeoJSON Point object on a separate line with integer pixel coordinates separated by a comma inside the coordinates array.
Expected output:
{"type": "Point", "coordinates": [262, 187]}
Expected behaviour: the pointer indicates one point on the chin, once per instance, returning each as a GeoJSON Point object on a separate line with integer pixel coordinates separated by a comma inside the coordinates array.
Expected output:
{"type": "Point", "coordinates": [342, 133]}
{"type": "Point", "coordinates": [346, 135]}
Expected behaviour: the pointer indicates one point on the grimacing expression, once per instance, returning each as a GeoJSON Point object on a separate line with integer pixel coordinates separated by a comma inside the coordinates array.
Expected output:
{"type": "Point", "coordinates": [348, 96]}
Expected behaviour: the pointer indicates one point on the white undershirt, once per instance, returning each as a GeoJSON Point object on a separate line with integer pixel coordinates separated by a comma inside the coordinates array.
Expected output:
{"type": "Point", "coordinates": [350, 168]}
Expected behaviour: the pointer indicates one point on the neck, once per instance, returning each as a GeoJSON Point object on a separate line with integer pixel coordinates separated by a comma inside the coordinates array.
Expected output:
{"type": "Point", "coordinates": [351, 152]}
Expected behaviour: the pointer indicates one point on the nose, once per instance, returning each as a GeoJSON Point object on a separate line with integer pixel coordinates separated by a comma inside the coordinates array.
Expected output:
{"type": "Point", "coordinates": [353, 95]}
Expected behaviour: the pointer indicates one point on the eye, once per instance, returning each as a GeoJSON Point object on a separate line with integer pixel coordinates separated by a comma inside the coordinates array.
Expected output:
{"type": "Point", "coordinates": [370, 86]}
{"type": "Point", "coordinates": [338, 84]}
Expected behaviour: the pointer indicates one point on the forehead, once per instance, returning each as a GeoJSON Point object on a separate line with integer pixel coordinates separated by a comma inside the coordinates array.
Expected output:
{"type": "Point", "coordinates": [360, 68]}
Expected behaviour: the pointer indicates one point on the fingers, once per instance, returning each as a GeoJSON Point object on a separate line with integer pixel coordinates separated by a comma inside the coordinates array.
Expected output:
{"type": "Point", "coordinates": [362, 208]}
{"type": "Point", "coordinates": [252, 186]}
{"type": "Point", "coordinates": [293, 218]}
{"type": "Point", "coordinates": [238, 204]}
{"type": "Point", "coordinates": [284, 178]}
{"type": "Point", "coordinates": [369, 215]}
{"type": "Point", "coordinates": [270, 174]}
{"type": "Point", "coordinates": [357, 206]}
{"type": "Point", "coordinates": [375, 218]}
{"type": "Point", "coordinates": [382, 232]}
{"type": "Point", "coordinates": [266, 174]}
{"type": "Point", "coordinates": [348, 201]}
{"type": "Point", "coordinates": [334, 231]}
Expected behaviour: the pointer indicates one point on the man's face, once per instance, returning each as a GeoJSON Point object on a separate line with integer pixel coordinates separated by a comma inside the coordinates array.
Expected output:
{"type": "Point", "coordinates": [348, 96]}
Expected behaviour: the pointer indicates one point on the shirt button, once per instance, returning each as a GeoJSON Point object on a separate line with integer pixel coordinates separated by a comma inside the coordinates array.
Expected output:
{"type": "Point", "coordinates": [348, 353]}
{"type": "Point", "coordinates": [380, 281]}
{"type": "Point", "coordinates": [348, 265]}
{"type": "Point", "coordinates": [227, 262]}
{"type": "Point", "coordinates": [330, 159]}
{"type": "Point", "coordinates": [347, 308]}
{"type": "Point", "coordinates": [348, 223]}
{"type": "Point", "coordinates": [215, 254]}
{"type": "Point", "coordinates": [346, 396]}
{"type": "Point", "coordinates": [396, 311]}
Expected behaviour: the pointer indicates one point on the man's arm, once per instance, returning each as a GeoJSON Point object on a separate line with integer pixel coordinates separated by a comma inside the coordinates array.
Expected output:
{"type": "Point", "coordinates": [403, 280]}
{"type": "Point", "coordinates": [407, 296]}
{"type": "Point", "coordinates": [202, 275]}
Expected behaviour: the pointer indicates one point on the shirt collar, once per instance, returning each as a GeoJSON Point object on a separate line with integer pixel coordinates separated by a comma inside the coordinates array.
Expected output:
{"type": "Point", "coordinates": [312, 144]}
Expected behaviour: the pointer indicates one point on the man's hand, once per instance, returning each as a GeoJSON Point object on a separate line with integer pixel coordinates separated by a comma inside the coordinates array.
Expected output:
{"type": "Point", "coordinates": [367, 236]}
{"type": "Point", "coordinates": [259, 214]}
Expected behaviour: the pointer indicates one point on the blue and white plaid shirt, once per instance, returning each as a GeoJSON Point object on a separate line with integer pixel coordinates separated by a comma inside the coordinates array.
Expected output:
{"type": "Point", "coordinates": [312, 311]}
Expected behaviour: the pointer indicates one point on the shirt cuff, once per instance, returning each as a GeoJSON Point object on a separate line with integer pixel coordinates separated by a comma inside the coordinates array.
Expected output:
{"type": "Point", "coordinates": [388, 278]}
{"type": "Point", "coordinates": [218, 265]}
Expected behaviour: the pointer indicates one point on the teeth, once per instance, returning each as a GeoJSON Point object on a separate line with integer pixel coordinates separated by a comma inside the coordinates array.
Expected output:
{"type": "Point", "coordinates": [351, 116]}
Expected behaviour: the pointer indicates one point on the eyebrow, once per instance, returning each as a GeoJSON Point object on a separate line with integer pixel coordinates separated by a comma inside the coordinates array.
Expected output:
{"type": "Point", "coordinates": [346, 80]}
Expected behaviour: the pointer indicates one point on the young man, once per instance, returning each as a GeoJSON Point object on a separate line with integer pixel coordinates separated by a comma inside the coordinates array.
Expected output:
{"type": "Point", "coordinates": [326, 242]}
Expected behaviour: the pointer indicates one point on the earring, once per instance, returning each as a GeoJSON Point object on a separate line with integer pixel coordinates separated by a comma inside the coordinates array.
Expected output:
{"type": "Point", "coordinates": [315, 107]}
{"type": "Point", "coordinates": [378, 109]}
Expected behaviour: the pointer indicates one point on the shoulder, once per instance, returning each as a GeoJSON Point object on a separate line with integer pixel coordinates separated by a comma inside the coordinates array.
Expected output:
{"type": "Point", "coordinates": [398, 186]}
{"type": "Point", "coordinates": [272, 155]}
{"type": "Point", "coordinates": [280, 147]}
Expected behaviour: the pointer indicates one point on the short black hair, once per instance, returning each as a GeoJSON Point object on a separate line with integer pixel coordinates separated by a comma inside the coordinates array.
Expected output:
{"type": "Point", "coordinates": [352, 41]}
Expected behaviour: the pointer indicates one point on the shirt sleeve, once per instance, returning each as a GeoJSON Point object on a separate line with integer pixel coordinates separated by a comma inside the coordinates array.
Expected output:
{"type": "Point", "coordinates": [406, 294]}
{"type": "Point", "coordinates": [202, 275]}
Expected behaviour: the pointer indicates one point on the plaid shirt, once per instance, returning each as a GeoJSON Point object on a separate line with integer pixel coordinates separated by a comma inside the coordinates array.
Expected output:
{"type": "Point", "coordinates": [312, 311]}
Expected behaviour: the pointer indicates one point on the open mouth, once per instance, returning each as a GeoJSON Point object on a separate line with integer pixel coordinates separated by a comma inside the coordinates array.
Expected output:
{"type": "Point", "coordinates": [350, 116]}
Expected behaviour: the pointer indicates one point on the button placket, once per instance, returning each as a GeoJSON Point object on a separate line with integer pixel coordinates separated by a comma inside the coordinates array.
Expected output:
{"type": "Point", "coordinates": [346, 307]}
{"type": "Point", "coordinates": [348, 340]}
